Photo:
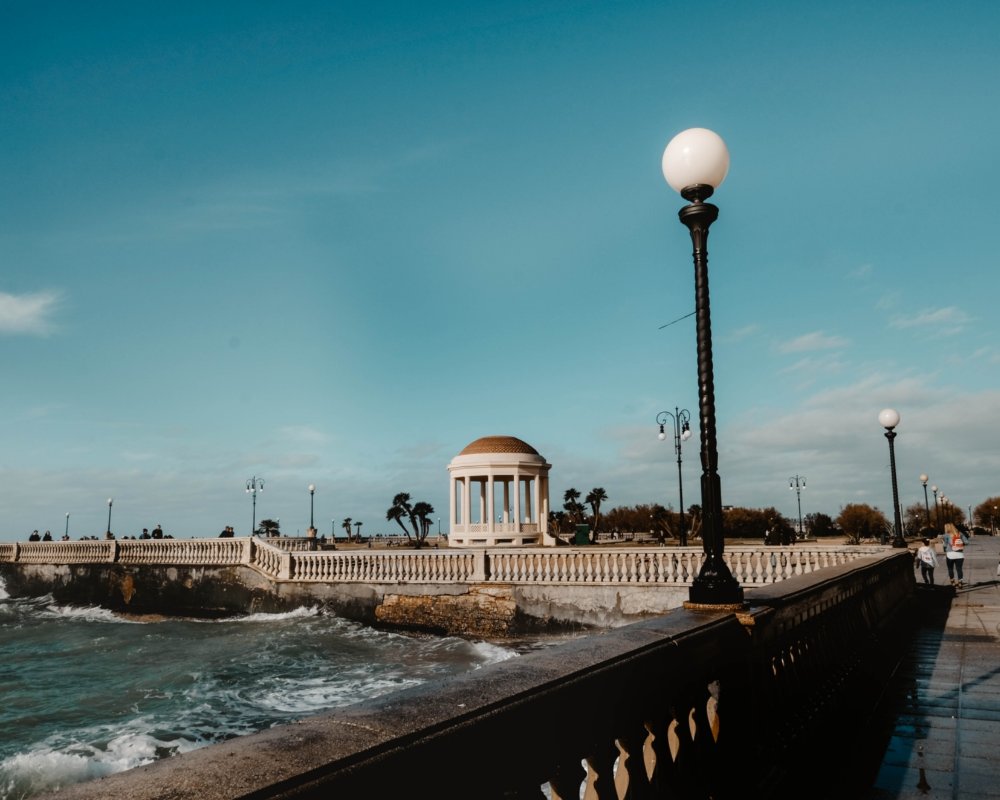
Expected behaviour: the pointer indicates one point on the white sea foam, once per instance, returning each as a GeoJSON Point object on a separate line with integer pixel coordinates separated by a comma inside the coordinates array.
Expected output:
{"type": "Point", "coordinates": [3, 591]}
{"type": "Point", "coordinates": [298, 613]}
{"type": "Point", "coordinates": [492, 653]}
{"type": "Point", "coordinates": [88, 614]}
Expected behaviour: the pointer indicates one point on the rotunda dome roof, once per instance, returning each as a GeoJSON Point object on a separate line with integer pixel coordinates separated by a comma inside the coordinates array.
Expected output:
{"type": "Point", "coordinates": [498, 444]}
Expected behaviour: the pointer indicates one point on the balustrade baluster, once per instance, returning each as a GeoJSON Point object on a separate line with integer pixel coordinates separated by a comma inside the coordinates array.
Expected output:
{"type": "Point", "coordinates": [566, 781]}
{"type": "Point", "coordinates": [632, 769]}
{"type": "Point", "coordinates": [601, 773]}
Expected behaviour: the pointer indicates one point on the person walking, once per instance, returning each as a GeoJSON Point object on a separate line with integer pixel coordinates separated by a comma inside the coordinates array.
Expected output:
{"type": "Point", "coordinates": [927, 559]}
{"type": "Point", "coordinates": [954, 553]}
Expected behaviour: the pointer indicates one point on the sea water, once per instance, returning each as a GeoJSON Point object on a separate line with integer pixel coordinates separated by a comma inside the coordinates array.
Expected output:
{"type": "Point", "coordinates": [85, 693]}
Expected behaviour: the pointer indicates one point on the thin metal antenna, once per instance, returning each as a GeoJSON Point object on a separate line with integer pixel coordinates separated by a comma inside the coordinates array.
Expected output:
{"type": "Point", "coordinates": [676, 320]}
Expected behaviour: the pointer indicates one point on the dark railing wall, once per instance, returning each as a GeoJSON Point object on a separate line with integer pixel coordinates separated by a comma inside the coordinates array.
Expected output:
{"type": "Point", "coordinates": [687, 705]}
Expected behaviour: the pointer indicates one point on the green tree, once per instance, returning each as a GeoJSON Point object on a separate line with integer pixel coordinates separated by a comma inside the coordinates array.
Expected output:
{"type": "Point", "coordinates": [346, 525]}
{"type": "Point", "coordinates": [268, 527]}
{"type": "Point", "coordinates": [594, 498]}
{"type": "Point", "coordinates": [572, 505]}
{"type": "Point", "coordinates": [860, 521]}
{"type": "Point", "coordinates": [819, 525]}
{"type": "Point", "coordinates": [987, 514]}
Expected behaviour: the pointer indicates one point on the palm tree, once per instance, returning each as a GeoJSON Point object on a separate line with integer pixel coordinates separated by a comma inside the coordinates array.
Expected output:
{"type": "Point", "coordinates": [346, 525]}
{"type": "Point", "coordinates": [572, 505]}
{"type": "Point", "coordinates": [594, 498]}
{"type": "Point", "coordinates": [422, 512]}
{"type": "Point", "coordinates": [417, 513]}
{"type": "Point", "coordinates": [396, 513]}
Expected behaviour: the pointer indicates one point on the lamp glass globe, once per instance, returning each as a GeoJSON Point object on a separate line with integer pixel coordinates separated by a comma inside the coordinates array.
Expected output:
{"type": "Point", "coordinates": [888, 418]}
{"type": "Point", "coordinates": [695, 156]}
{"type": "Point", "coordinates": [923, 478]}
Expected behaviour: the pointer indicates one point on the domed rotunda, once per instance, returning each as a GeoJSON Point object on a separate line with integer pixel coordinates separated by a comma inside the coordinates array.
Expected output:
{"type": "Point", "coordinates": [510, 483]}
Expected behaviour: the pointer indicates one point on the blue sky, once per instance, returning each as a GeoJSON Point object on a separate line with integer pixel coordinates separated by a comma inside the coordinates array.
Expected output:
{"type": "Point", "coordinates": [333, 243]}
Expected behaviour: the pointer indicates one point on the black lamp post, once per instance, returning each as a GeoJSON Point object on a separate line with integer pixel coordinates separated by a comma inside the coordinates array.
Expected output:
{"type": "Point", "coordinates": [312, 491]}
{"type": "Point", "coordinates": [937, 508]}
{"type": "Point", "coordinates": [798, 483]}
{"type": "Point", "coordinates": [254, 485]}
{"type": "Point", "coordinates": [888, 418]}
{"type": "Point", "coordinates": [682, 432]}
{"type": "Point", "coordinates": [695, 164]}
{"type": "Point", "coordinates": [66, 534]}
{"type": "Point", "coordinates": [110, 503]}
{"type": "Point", "coordinates": [927, 505]}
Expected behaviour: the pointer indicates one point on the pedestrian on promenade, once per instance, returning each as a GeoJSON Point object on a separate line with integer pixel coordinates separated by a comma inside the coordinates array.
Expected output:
{"type": "Point", "coordinates": [954, 553]}
{"type": "Point", "coordinates": [927, 559]}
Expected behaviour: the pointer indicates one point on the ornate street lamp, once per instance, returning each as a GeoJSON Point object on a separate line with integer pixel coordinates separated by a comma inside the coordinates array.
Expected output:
{"type": "Point", "coordinates": [681, 419]}
{"type": "Point", "coordinates": [888, 418]}
{"type": "Point", "coordinates": [927, 505]}
{"type": "Point", "coordinates": [254, 485]}
{"type": "Point", "coordinates": [312, 491]}
{"type": "Point", "coordinates": [798, 483]}
{"type": "Point", "coordinates": [695, 163]}
{"type": "Point", "coordinates": [110, 503]}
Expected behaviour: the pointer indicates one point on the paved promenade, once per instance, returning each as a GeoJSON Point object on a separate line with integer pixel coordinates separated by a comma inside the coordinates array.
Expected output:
{"type": "Point", "coordinates": [946, 739]}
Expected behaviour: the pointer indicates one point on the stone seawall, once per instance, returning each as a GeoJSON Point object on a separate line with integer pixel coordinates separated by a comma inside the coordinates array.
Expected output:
{"type": "Point", "coordinates": [468, 609]}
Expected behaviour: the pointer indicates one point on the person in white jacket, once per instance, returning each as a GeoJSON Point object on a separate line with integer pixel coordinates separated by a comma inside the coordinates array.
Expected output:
{"type": "Point", "coordinates": [927, 559]}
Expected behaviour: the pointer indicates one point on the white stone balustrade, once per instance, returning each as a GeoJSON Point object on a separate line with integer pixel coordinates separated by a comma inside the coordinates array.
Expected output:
{"type": "Point", "coordinates": [602, 566]}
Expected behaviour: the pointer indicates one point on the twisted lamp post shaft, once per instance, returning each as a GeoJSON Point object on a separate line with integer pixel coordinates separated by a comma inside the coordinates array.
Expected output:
{"type": "Point", "coordinates": [715, 583]}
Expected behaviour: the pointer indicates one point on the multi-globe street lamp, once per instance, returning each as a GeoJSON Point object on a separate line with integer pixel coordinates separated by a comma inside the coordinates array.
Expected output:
{"type": "Point", "coordinates": [695, 163]}
{"type": "Point", "coordinates": [888, 418]}
{"type": "Point", "coordinates": [110, 503]}
{"type": "Point", "coordinates": [927, 505]}
{"type": "Point", "coordinates": [681, 419]}
{"type": "Point", "coordinates": [798, 483]}
{"type": "Point", "coordinates": [254, 485]}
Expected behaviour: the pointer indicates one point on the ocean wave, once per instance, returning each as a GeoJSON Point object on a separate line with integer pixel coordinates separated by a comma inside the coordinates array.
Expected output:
{"type": "Point", "coordinates": [298, 613]}
{"type": "Point", "coordinates": [3, 590]}
{"type": "Point", "coordinates": [48, 768]}
{"type": "Point", "coordinates": [87, 614]}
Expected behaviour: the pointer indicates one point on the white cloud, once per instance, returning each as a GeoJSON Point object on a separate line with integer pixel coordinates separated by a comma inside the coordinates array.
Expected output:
{"type": "Point", "coordinates": [948, 320]}
{"type": "Point", "coordinates": [28, 313]}
{"type": "Point", "coordinates": [817, 340]}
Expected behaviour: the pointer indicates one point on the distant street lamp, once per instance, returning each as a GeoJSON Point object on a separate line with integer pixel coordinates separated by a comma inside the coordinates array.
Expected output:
{"type": "Point", "coordinates": [254, 485]}
{"type": "Point", "coordinates": [888, 418]}
{"type": "Point", "coordinates": [798, 483]}
{"type": "Point", "coordinates": [695, 163]}
{"type": "Point", "coordinates": [312, 491]}
{"type": "Point", "coordinates": [681, 419]}
{"type": "Point", "coordinates": [110, 502]}
{"type": "Point", "coordinates": [937, 508]}
{"type": "Point", "coordinates": [993, 522]}
{"type": "Point", "coordinates": [927, 505]}
{"type": "Point", "coordinates": [66, 534]}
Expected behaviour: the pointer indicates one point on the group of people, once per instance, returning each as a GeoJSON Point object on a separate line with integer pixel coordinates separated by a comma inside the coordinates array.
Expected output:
{"type": "Point", "coordinates": [953, 543]}
{"type": "Point", "coordinates": [46, 537]}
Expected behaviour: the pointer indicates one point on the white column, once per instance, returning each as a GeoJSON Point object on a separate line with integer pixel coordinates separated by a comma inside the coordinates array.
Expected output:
{"type": "Point", "coordinates": [491, 528]}
{"type": "Point", "coordinates": [466, 502]}
{"type": "Point", "coordinates": [537, 501]}
{"type": "Point", "coordinates": [517, 501]}
{"type": "Point", "coordinates": [451, 504]}
{"type": "Point", "coordinates": [482, 500]}
{"type": "Point", "coordinates": [527, 499]}
{"type": "Point", "coordinates": [506, 501]}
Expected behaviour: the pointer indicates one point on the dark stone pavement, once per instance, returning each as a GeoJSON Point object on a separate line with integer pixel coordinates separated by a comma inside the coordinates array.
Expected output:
{"type": "Point", "coordinates": [946, 737]}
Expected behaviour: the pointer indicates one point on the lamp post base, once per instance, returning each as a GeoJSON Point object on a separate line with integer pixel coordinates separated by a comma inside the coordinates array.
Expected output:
{"type": "Point", "coordinates": [715, 586]}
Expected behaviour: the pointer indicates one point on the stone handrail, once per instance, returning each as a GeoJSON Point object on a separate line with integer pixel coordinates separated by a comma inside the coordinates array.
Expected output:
{"type": "Point", "coordinates": [682, 705]}
{"type": "Point", "coordinates": [604, 565]}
